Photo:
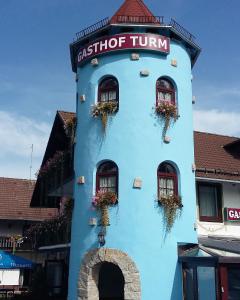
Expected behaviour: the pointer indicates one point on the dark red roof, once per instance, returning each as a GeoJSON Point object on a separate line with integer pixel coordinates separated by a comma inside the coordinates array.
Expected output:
{"type": "Point", "coordinates": [66, 116]}
{"type": "Point", "coordinates": [213, 159]}
{"type": "Point", "coordinates": [15, 198]}
{"type": "Point", "coordinates": [133, 8]}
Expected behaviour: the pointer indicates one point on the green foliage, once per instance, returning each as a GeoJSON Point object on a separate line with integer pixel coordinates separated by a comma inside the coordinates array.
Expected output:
{"type": "Point", "coordinates": [172, 206]}
{"type": "Point", "coordinates": [102, 201]}
{"type": "Point", "coordinates": [103, 110]}
{"type": "Point", "coordinates": [169, 112]}
{"type": "Point", "coordinates": [53, 229]}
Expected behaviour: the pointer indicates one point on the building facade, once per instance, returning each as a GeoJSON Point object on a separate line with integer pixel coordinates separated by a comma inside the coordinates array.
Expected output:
{"type": "Point", "coordinates": [218, 208]}
{"type": "Point", "coordinates": [16, 217]}
{"type": "Point", "coordinates": [133, 77]}
{"type": "Point", "coordinates": [54, 191]}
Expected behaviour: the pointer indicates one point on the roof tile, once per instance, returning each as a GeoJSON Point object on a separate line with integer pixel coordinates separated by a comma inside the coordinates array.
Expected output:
{"type": "Point", "coordinates": [212, 159]}
{"type": "Point", "coordinates": [134, 8]}
{"type": "Point", "coordinates": [15, 198]}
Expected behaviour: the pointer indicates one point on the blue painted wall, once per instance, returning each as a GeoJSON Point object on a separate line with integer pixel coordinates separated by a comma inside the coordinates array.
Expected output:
{"type": "Point", "coordinates": [133, 141]}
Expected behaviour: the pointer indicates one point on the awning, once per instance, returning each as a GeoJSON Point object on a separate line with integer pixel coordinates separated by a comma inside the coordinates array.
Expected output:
{"type": "Point", "coordinates": [224, 243]}
{"type": "Point", "coordinates": [192, 253]}
{"type": "Point", "coordinates": [10, 261]}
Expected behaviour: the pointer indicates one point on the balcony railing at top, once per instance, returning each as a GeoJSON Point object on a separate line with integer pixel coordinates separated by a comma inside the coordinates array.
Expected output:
{"type": "Point", "coordinates": [182, 30]}
{"type": "Point", "coordinates": [92, 28]}
{"type": "Point", "coordinates": [156, 20]}
{"type": "Point", "coordinates": [139, 19]}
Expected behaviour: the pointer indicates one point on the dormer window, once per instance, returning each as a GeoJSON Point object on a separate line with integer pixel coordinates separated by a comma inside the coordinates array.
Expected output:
{"type": "Point", "coordinates": [165, 91]}
{"type": "Point", "coordinates": [108, 90]}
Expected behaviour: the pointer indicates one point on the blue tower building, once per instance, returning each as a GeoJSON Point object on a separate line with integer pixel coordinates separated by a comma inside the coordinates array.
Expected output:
{"type": "Point", "coordinates": [134, 185]}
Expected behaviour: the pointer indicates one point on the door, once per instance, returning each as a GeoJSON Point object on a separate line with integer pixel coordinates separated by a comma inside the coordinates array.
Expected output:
{"type": "Point", "coordinates": [230, 281]}
{"type": "Point", "coordinates": [110, 282]}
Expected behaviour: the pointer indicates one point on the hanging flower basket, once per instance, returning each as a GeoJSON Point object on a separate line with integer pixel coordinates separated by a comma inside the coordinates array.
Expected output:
{"type": "Point", "coordinates": [103, 110]}
{"type": "Point", "coordinates": [101, 201]}
{"type": "Point", "coordinates": [172, 206]}
{"type": "Point", "coordinates": [57, 229]}
{"type": "Point", "coordinates": [70, 128]}
{"type": "Point", "coordinates": [169, 112]}
{"type": "Point", "coordinates": [52, 163]}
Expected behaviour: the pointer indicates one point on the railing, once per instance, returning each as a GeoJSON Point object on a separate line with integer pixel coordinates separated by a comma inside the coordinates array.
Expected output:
{"type": "Point", "coordinates": [119, 19]}
{"type": "Point", "coordinates": [157, 20]}
{"type": "Point", "coordinates": [9, 243]}
{"type": "Point", "coordinates": [182, 30]}
{"type": "Point", "coordinates": [92, 28]}
{"type": "Point", "coordinates": [139, 19]}
{"type": "Point", "coordinates": [62, 236]}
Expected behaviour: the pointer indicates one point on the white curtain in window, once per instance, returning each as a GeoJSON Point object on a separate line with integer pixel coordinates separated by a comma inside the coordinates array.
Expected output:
{"type": "Point", "coordinates": [164, 96]}
{"type": "Point", "coordinates": [112, 95]}
{"type": "Point", "coordinates": [208, 201]}
{"type": "Point", "coordinates": [170, 187]}
{"type": "Point", "coordinates": [104, 96]}
{"type": "Point", "coordinates": [162, 187]}
{"type": "Point", "coordinates": [166, 187]}
{"type": "Point", "coordinates": [108, 183]}
{"type": "Point", "coordinates": [108, 96]}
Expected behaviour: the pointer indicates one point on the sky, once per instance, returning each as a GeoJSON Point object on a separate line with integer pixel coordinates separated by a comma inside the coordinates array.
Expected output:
{"type": "Point", "coordinates": [36, 77]}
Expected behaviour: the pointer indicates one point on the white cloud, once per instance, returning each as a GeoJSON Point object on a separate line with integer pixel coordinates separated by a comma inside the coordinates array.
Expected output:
{"type": "Point", "coordinates": [227, 92]}
{"type": "Point", "coordinates": [216, 121]}
{"type": "Point", "coordinates": [17, 134]}
{"type": "Point", "coordinates": [19, 168]}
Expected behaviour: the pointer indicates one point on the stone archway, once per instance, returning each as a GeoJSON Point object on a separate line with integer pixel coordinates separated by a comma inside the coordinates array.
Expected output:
{"type": "Point", "coordinates": [89, 272]}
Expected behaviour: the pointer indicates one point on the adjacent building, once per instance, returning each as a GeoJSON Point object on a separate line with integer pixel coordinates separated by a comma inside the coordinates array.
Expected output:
{"type": "Point", "coordinates": [54, 190]}
{"type": "Point", "coordinates": [16, 217]}
{"type": "Point", "coordinates": [218, 208]}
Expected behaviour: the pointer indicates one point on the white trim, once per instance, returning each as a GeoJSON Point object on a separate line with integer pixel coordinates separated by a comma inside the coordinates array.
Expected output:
{"type": "Point", "coordinates": [55, 247]}
{"type": "Point", "coordinates": [219, 180]}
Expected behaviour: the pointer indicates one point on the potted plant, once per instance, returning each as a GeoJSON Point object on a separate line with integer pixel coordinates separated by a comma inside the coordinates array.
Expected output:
{"type": "Point", "coordinates": [172, 206]}
{"type": "Point", "coordinates": [169, 112]}
{"type": "Point", "coordinates": [103, 110]}
{"type": "Point", "coordinates": [70, 128]}
{"type": "Point", "coordinates": [101, 201]}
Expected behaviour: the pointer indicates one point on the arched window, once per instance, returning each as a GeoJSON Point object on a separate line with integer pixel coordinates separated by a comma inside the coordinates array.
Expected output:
{"type": "Point", "coordinates": [108, 90]}
{"type": "Point", "coordinates": [165, 91]}
{"type": "Point", "coordinates": [167, 180]}
{"type": "Point", "coordinates": [107, 177]}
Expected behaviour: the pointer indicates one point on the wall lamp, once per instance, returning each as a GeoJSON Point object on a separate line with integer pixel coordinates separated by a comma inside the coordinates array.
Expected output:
{"type": "Point", "coordinates": [101, 237]}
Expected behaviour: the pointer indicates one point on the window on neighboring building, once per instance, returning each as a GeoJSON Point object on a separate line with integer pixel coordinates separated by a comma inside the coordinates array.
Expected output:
{"type": "Point", "coordinates": [165, 91]}
{"type": "Point", "coordinates": [167, 180]}
{"type": "Point", "coordinates": [210, 202]}
{"type": "Point", "coordinates": [108, 90]}
{"type": "Point", "coordinates": [107, 177]}
{"type": "Point", "coordinates": [199, 280]}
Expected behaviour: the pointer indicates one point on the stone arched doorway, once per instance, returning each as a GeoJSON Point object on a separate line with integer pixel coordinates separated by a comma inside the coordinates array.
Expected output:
{"type": "Point", "coordinates": [88, 284]}
{"type": "Point", "coordinates": [110, 282]}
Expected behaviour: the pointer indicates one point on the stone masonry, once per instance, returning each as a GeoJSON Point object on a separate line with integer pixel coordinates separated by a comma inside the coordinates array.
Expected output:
{"type": "Point", "coordinates": [89, 272]}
